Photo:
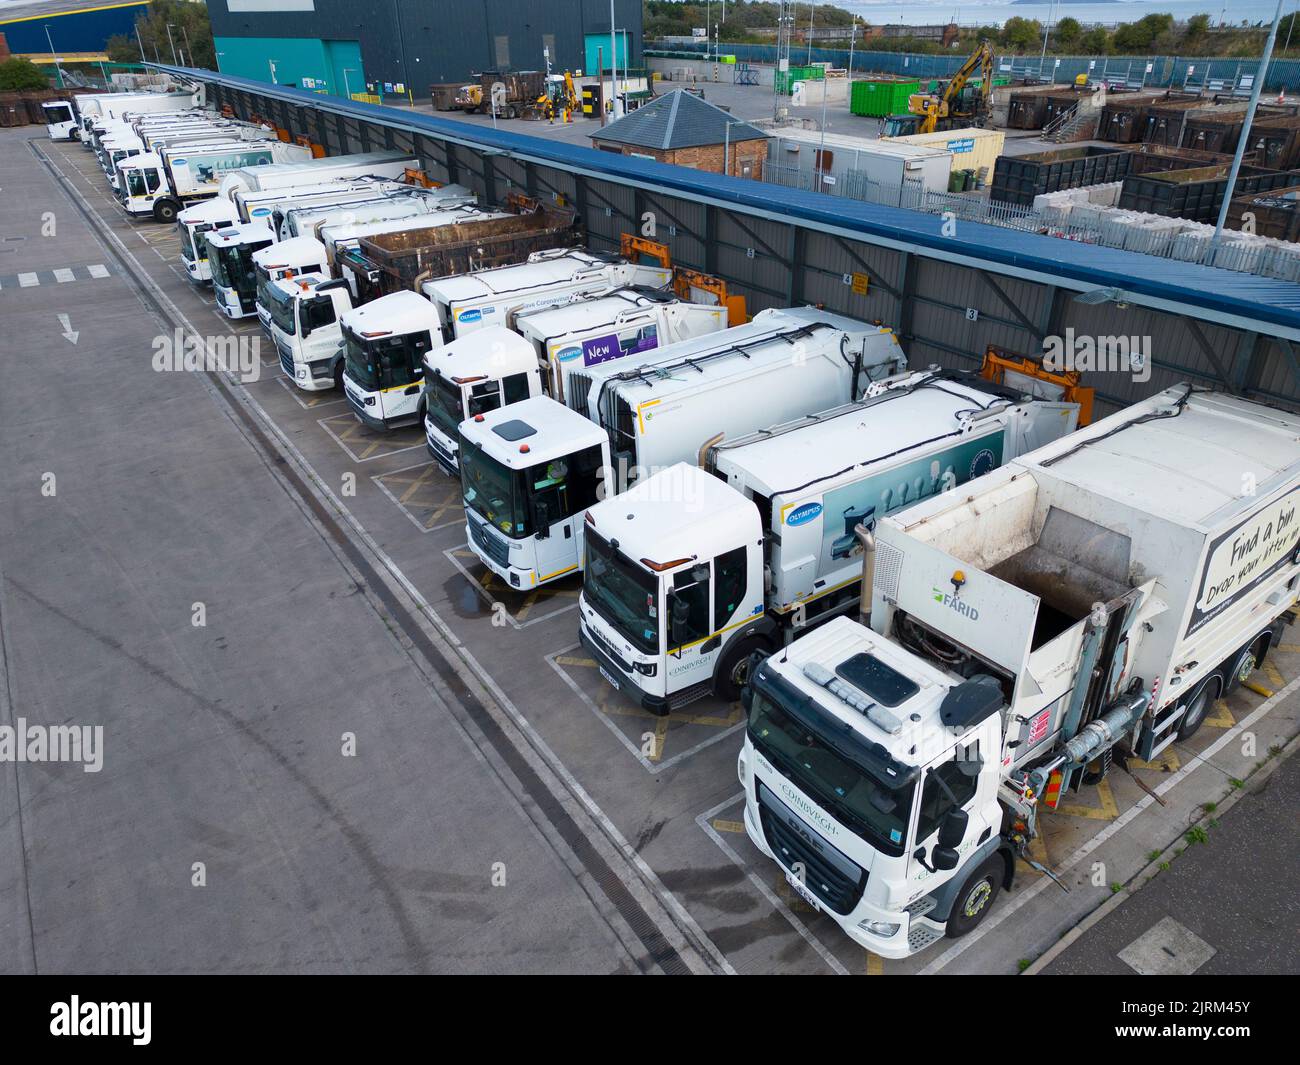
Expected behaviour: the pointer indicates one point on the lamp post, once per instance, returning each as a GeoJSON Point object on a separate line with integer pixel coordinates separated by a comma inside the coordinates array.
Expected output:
{"type": "Point", "coordinates": [53, 56]}
{"type": "Point", "coordinates": [1250, 117]}
{"type": "Point", "coordinates": [615, 109]}
{"type": "Point", "coordinates": [171, 42]}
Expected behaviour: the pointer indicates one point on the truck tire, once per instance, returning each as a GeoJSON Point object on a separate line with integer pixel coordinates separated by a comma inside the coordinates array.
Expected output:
{"type": "Point", "coordinates": [164, 211]}
{"type": "Point", "coordinates": [1198, 706]}
{"type": "Point", "coordinates": [1242, 664]}
{"type": "Point", "coordinates": [733, 667]}
{"type": "Point", "coordinates": [976, 896]}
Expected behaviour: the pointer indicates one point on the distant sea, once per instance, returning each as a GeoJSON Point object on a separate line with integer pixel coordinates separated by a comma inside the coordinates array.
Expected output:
{"type": "Point", "coordinates": [996, 12]}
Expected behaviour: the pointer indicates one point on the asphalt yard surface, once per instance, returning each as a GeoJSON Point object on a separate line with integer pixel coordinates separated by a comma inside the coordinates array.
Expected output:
{"type": "Point", "coordinates": [504, 808]}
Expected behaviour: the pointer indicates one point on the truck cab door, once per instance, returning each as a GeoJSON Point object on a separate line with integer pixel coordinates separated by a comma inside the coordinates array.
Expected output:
{"type": "Point", "coordinates": [949, 783]}
{"type": "Point", "coordinates": [692, 645]}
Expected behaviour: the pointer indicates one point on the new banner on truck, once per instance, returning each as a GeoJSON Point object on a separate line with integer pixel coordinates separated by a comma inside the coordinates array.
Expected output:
{"type": "Point", "coordinates": [1242, 557]}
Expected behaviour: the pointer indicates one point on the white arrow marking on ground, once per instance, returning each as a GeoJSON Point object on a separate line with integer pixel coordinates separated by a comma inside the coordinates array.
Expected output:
{"type": "Point", "coordinates": [69, 334]}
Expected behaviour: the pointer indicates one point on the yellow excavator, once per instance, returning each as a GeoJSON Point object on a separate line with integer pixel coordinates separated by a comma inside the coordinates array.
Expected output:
{"type": "Point", "coordinates": [929, 111]}
{"type": "Point", "coordinates": [558, 99]}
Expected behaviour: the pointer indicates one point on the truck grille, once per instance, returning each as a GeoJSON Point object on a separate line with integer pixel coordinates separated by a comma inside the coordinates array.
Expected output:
{"type": "Point", "coordinates": [286, 361]}
{"type": "Point", "coordinates": [576, 392]}
{"type": "Point", "coordinates": [495, 547]}
{"type": "Point", "coordinates": [833, 877]}
{"type": "Point", "coordinates": [604, 648]}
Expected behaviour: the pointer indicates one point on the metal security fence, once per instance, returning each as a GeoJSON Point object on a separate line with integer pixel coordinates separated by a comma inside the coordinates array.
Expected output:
{"type": "Point", "coordinates": [1177, 72]}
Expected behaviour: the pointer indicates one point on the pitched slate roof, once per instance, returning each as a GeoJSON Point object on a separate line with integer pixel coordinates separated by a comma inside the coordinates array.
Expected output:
{"type": "Point", "coordinates": [677, 120]}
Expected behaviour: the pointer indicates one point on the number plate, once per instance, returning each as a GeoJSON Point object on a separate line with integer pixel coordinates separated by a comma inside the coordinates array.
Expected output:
{"type": "Point", "coordinates": [613, 683]}
{"type": "Point", "coordinates": [803, 892]}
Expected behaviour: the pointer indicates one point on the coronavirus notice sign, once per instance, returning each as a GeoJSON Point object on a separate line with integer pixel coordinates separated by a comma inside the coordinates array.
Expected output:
{"type": "Point", "coordinates": [1242, 557]}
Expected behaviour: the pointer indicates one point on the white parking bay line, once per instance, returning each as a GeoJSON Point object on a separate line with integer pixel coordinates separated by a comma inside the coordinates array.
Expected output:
{"type": "Point", "coordinates": [63, 274]}
{"type": "Point", "coordinates": [98, 270]}
{"type": "Point", "coordinates": [28, 281]}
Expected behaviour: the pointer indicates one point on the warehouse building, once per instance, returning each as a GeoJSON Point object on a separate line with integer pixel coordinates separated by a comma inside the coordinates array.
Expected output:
{"type": "Point", "coordinates": [348, 47]}
{"type": "Point", "coordinates": [77, 30]}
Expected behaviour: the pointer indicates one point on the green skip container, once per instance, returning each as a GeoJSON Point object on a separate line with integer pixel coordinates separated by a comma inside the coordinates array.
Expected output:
{"type": "Point", "coordinates": [879, 98]}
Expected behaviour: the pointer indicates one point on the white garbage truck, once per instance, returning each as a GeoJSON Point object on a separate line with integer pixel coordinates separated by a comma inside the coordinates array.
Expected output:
{"type": "Point", "coordinates": [776, 551]}
{"type": "Point", "coordinates": [160, 184]}
{"type": "Point", "coordinates": [604, 330]}
{"type": "Point", "coordinates": [1083, 604]}
{"type": "Point", "coordinates": [315, 359]}
{"type": "Point", "coordinates": [655, 415]}
{"type": "Point", "coordinates": [496, 296]}
{"type": "Point", "coordinates": [384, 164]}
{"type": "Point", "coordinates": [385, 342]}
{"type": "Point", "coordinates": [580, 332]}
{"type": "Point", "coordinates": [230, 259]}
{"type": "Point", "coordinates": [60, 122]}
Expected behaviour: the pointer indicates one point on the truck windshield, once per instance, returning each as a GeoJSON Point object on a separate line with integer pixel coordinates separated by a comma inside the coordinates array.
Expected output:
{"type": "Point", "coordinates": [237, 266]}
{"type": "Point", "coordinates": [444, 402]}
{"type": "Point", "coordinates": [280, 304]}
{"type": "Point", "coordinates": [218, 265]}
{"type": "Point", "coordinates": [493, 491]}
{"type": "Point", "coordinates": [55, 115]}
{"type": "Point", "coordinates": [826, 769]}
{"type": "Point", "coordinates": [263, 277]}
{"type": "Point", "coordinates": [386, 362]}
{"type": "Point", "coordinates": [135, 183]}
{"type": "Point", "coordinates": [187, 241]}
{"type": "Point", "coordinates": [621, 592]}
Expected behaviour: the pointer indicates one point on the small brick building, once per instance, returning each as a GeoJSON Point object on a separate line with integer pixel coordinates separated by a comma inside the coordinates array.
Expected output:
{"type": "Point", "coordinates": [680, 128]}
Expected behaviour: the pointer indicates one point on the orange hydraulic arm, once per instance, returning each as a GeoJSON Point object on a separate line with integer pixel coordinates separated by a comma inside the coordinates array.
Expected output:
{"type": "Point", "coordinates": [997, 364]}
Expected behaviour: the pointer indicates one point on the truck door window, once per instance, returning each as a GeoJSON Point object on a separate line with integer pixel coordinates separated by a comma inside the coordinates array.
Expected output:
{"type": "Point", "coordinates": [730, 571]}
{"type": "Point", "coordinates": [484, 397]}
{"type": "Point", "coordinates": [151, 180]}
{"type": "Point", "coordinates": [568, 486]}
{"type": "Point", "coordinates": [695, 595]}
{"type": "Point", "coordinates": [516, 387]}
{"type": "Point", "coordinates": [319, 312]}
{"type": "Point", "coordinates": [935, 802]}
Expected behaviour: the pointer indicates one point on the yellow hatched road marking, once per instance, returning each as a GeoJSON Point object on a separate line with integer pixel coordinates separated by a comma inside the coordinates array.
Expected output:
{"type": "Point", "coordinates": [1166, 762]}
{"type": "Point", "coordinates": [1274, 675]}
{"type": "Point", "coordinates": [875, 964]}
{"type": "Point", "coordinates": [723, 825]}
{"type": "Point", "coordinates": [1108, 811]}
{"type": "Point", "coordinates": [1221, 716]}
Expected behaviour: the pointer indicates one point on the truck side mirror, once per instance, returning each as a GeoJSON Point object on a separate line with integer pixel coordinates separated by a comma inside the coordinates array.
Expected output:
{"type": "Point", "coordinates": [952, 829]}
{"type": "Point", "coordinates": [679, 613]}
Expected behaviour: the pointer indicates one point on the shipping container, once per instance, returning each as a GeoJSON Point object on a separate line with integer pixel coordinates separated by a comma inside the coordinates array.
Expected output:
{"type": "Point", "coordinates": [881, 97]}
{"type": "Point", "coordinates": [1274, 142]}
{"type": "Point", "coordinates": [972, 148]}
{"type": "Point", "coordinates": [1276, 213]}
{"type": "Point", "coordinates": [1018, 179]}
{"type": "Point", "coordinates": [1196, 194]}
{"type": "Point", "coordinates": [1156, 158]}
{"type": "Point", "coordinates": [390, 262]}
{"type": "Point", "coordinates": [1122, 119]}
{"type": "Point", "coordinates": [858, 167]}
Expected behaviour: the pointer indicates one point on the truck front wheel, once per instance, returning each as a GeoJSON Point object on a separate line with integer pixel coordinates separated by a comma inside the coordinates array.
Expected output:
{"type": "Point", "coordinates": [976, 896]}
{"type": "Point", "coordinates": [733, 668]}
{"type": "Point", "coordinates": [1198, 705]}
{"type": "Point", "coordinates": [165, 212]}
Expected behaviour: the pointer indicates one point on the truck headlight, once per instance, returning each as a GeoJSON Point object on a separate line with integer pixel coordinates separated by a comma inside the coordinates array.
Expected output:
{"type": "Point", "coordinates": [302, 373]}
{"type": "Point", "coordinates": [646, 669]}
{"type": "Point", "coordinates": [884, 929]}
{"type": "Point", "coordinates": [370, 401]}
{"type": "Point", "coordinates": [740, 770]}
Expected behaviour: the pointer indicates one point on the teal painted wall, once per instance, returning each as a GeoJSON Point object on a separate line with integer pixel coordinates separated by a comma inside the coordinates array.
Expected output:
{"type": "Point", "coordinates": [305, 62]}
{"type": "Point", "coordinates": [598, 44]}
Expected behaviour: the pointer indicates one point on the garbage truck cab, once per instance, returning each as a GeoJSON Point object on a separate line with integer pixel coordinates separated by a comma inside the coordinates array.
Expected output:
{"type": "Point", "coordinates": [385, 342]}
{"type": "Point", "coordinates": [230, 258]}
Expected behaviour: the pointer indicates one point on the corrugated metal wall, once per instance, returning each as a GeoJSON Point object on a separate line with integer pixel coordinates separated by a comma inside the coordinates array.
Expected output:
{"type": "Point", "coordinates": [946, 313]}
